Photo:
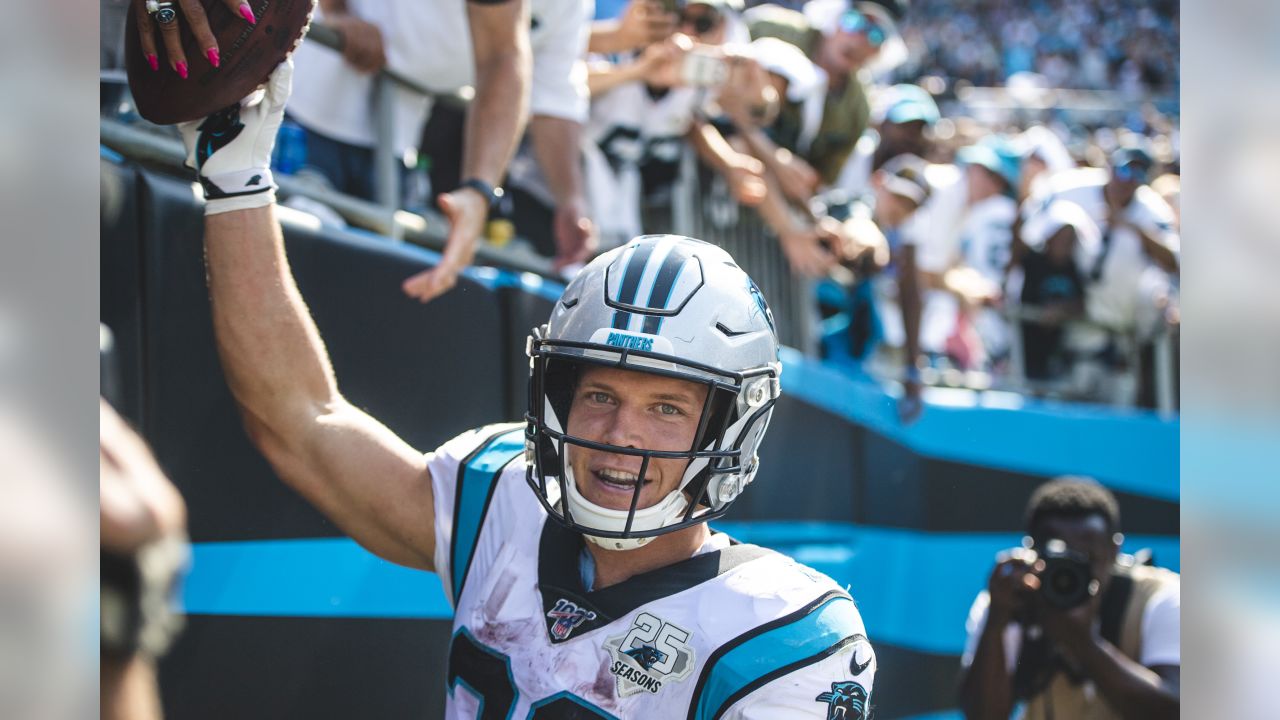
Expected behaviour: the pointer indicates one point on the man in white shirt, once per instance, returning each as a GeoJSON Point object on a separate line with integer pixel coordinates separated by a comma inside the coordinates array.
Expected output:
{"type": "Point", "coordinates": [1093, 635]}
{"type": "Point", "coordinates": [1133, 279]}
{"type": "Point", "coordinates": [334, 98]}
{"type": "Point", "coordinates": [544, 184]}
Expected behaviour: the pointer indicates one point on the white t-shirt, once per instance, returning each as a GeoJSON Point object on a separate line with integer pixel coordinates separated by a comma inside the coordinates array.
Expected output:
{"type": "Point", "coordinates": [1122, 296]}
{"type": "Point", "coordinates": [947, 232]}
{"type": "Point", "coordinates": [934, 228]}
{"type": "Point", "coordinates": [627, 129]}
{"type": "Point", "coordinates": [430, 42]}
{"type": "Point", "coordinates": [1161, 630]}
{"type": "Point", "coordinates": [736, 629]}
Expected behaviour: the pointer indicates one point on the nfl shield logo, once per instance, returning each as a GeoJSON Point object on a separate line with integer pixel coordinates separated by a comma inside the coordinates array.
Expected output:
{"type": "Point", "coordinates": [567, 616]}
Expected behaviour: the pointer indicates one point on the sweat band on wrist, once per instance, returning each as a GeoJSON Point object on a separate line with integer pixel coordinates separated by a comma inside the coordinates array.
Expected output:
{"type": "Point", "coordinates": [240, 190]}
{"type": "Point", "coordinates": [240, 202]}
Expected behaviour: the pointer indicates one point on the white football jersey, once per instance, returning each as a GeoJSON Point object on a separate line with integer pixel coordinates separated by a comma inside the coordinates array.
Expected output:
{"type": "Point", "coordinates": [986, 237]}
{"type": "Point", "coordinates": [736, 631]}
{"type": "Point", "coordinates": [632, 145]}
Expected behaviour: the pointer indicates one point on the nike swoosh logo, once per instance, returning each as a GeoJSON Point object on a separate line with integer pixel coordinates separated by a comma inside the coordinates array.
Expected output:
{"type": "Point", "coordinates": [855, 667]}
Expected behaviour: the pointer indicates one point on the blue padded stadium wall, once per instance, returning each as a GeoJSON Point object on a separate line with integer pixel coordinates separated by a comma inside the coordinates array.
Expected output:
{"type": "Point", "coordinates": [289, 619]}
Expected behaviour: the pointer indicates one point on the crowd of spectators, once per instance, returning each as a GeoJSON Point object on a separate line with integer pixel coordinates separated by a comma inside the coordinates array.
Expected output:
{"type": "Point", "coordinates": [1032, 244]}
{"type": "Point", "coordinates": [1119, 45]}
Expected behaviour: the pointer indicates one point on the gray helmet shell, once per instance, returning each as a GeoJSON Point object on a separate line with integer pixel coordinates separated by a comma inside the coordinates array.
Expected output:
{"type": "Point", "coordinates": [673, 306]}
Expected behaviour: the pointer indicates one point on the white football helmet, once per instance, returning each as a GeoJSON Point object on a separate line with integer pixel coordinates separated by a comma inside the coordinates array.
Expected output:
{"type": "Point", "coordinates": [671, 306]}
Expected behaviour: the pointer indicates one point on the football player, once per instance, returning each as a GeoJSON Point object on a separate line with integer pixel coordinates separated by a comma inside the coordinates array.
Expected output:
{"type": "Point", "coordinates": [574, 547]}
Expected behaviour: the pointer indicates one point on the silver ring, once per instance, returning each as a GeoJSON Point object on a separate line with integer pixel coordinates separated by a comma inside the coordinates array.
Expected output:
{"type": "Point", "coordinates": [163, 12]}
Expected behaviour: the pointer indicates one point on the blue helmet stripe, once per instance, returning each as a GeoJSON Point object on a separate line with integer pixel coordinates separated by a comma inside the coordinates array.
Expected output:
{"type": "Point", "coordinates": [630, 283]}
{"type": "Point", "coordinates": [664, 283]}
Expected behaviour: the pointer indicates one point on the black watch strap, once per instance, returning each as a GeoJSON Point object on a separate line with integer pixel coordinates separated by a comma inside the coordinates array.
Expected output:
{"type": "Point", "coordinates": [491, 193]}
{"type": "Point", "coordinates": [139, 596]}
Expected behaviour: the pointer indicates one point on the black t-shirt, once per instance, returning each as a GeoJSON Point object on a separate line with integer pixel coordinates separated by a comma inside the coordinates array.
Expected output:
{"type": "Point", "coordinates": [1044, 284]}
{"type": "Point", "coordinates": [1048, 284]}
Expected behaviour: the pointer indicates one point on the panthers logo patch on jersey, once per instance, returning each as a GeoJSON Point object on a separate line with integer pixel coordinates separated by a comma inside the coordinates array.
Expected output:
{"type": "Point", "coordinates": [846, 701]}
{"type": "Point", "coordinates": [651, 654]}
{"type": "Point", "coordinates": [565, 617]}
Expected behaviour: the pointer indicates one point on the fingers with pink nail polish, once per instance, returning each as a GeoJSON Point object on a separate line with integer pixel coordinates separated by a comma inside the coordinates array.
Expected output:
{"type": "Point", "coordinates": [153, 61]}
{"type": "Point", "coordinates": [246, 12]}
{"type": "Point", "coordinates": [214, 59]}
{"type": "Point", "coordinates": [181, 67]}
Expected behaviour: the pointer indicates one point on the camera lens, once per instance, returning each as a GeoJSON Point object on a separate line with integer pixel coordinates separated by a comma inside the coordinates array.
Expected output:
{"type": "Point", "coordinates": [1065, 583]}
{"type": "Point", "coordinates": [1066, 575]}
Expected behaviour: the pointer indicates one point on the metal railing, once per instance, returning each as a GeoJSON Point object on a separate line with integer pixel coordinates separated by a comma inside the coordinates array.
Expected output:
{"type": "Point", "coordinates": [1164, 372]}
{"type": "Point", "coordinates": [1001, 104]}
{"type": "Point", "coordinates": [160, 147]}
{"type": "Point", "coordinates": [145, 145]}
{"type": "Point", "coordinates": [386, 174]}
{"type": "Point", "coordinates": [702, 207]}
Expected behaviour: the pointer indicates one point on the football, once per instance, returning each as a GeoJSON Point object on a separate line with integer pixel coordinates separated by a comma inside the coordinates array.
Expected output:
{"type": "Point", "coordinates": [248, 52]}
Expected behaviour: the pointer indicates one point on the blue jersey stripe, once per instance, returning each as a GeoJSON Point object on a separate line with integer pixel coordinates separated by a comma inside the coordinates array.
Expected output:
{"type": "Point", "coordinates": [476, 481]}
{"type": "Point", "coordinates": [779, 648]}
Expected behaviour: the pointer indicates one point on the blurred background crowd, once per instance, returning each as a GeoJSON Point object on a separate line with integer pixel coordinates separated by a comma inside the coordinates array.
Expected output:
{"type": "Point", "coordinates": [980, 194]}
{"type": "Point", "coordinates": [1131, 47]}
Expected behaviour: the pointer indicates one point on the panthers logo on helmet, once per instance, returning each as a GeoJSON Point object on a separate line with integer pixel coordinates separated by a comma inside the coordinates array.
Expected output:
{"type": "Point", "coordinates": [762, 307]}
{"type": "Point", "coordinates": [846, 701]}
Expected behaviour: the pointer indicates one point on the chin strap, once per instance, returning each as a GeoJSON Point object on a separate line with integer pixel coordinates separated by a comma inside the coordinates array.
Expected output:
{"type": "Point", "coordinates": [587, 513]}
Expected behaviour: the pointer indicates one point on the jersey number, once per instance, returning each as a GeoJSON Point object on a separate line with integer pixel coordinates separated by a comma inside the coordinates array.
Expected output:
{"type": "Point", "coordinates": [625, 146]}
{"type": "Point", "coordinates": [487, 674]}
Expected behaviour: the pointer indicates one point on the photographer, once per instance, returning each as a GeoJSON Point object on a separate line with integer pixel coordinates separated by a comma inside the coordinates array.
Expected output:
{"type": "Point", "coordinates": [1068, 625]}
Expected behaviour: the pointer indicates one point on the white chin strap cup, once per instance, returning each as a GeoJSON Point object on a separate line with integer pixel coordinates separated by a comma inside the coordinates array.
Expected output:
{"type": "Point", "coordinates": [588, 514]}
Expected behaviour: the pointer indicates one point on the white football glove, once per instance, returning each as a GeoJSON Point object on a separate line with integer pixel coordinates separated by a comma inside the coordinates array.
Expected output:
{"type": "Point", "coordinates": [231, 149]}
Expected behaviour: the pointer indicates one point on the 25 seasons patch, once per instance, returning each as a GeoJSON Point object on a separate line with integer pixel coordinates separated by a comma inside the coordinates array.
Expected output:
{"type": "Point", "coordinates": [651, 654]}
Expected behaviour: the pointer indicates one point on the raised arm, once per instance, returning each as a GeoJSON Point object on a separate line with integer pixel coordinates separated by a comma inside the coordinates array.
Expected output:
{"type": "Point", "coordinates": [353, 469]}
{"type": "Point", "coordinates": [495, 122]}
{"type": "Point", "coordinates": [744, 173]}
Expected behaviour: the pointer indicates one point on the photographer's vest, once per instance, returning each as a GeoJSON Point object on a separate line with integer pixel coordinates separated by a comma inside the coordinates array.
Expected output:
{"type": "Point", "coordinates": [1121, 617]}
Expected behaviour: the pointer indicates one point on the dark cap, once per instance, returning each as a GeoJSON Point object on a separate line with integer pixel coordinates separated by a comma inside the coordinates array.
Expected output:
{"type": "Point", "coordinates": [1130, 155]}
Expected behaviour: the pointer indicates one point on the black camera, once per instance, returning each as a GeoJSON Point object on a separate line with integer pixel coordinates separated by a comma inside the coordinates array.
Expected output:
{"type": "Point", "coordinates": [1066, 577]}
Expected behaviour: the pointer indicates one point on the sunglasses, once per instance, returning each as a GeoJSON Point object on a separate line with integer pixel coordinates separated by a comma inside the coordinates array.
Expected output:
{"type": "Point", "coordinates": [1132, 172]}
{"type": "Point", "coordinates": [853, 21]}
{"type": "Point", "coordinates": [702, 22]}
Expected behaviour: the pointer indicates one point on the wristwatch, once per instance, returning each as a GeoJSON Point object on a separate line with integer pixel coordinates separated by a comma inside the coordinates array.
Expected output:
{"type": "Point", "coordinates": [138, 597]}
{"type": "Point", "coordinates": [489, 192]}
